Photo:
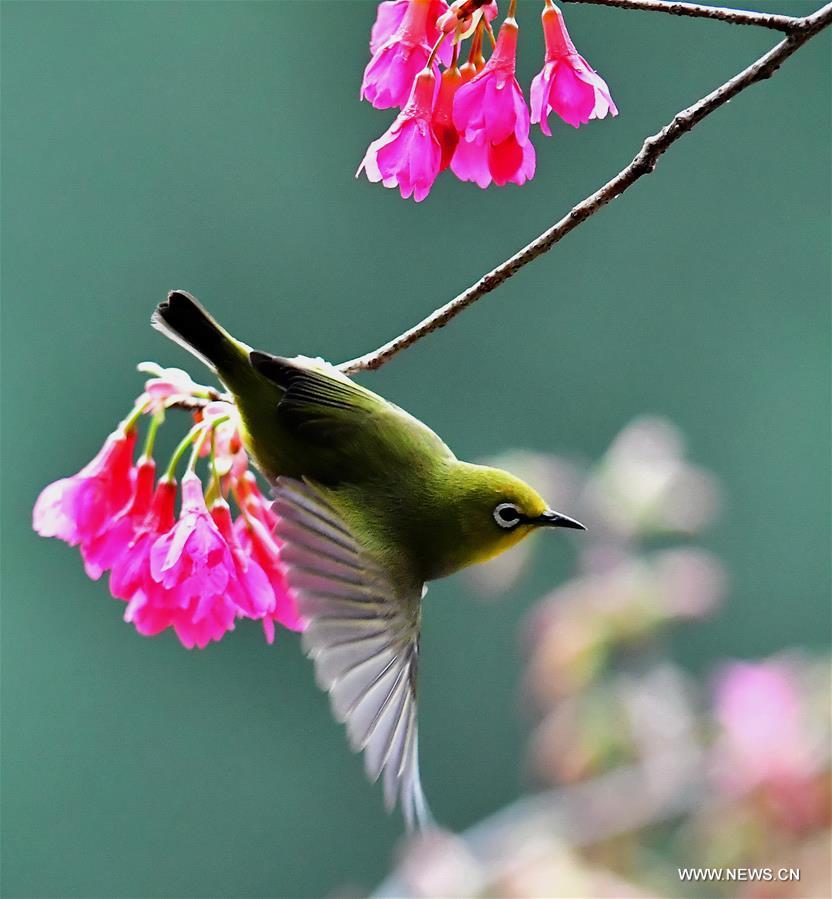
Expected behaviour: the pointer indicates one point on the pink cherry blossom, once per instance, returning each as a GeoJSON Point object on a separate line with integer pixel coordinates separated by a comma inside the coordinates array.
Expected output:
{"type": "Point", "coordinates": [389, 18]}
{"type": "Point", "coordinates": [566, 84]}
{"type": "Point", "coordinates": [248, 493]}
{"type": "Point", "coordinates": [250, 588]}
{"type": "Point", "coordinates": [130, 578]}
{"type": "Point", "coordinates": [408, 154]}
{"type": "Point", "coordinates": [391, 72]}
{"type": "Point", "coordinates": [443, 123]}
{"type": "Point", "coordinates": [492, 118]}
{"type": "Point", "coordinates": [231, 459]}
{"type": "Point", "coordinates": [78, 508]}
{"type": "Point", "coordinates": [195, 566]}
{"type": "Point", "coordinates": [102, 552]}
{"type": "Point", "coordinates": [256, 540]}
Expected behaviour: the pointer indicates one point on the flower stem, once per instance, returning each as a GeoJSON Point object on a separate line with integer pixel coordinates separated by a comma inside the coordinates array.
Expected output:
{"type": "Point", "coordinates": [475, 50]}
{"type": "Point", "coordinates": [241, 506]}
{"type": "Point", "coordinates": [215, 484]}
{"type": "Point", "coordinates": [208, 430]}
{"type": "Point", "coordinates": [150, 439]}
{"type": "Point", "coordinates": [129, 422]}
{"type": "Point", "coordinates": [184, 443]}
{"type": "Point", "coordinates": [435, 50]}
{"type": "Point", "coordinates": [490, 31]}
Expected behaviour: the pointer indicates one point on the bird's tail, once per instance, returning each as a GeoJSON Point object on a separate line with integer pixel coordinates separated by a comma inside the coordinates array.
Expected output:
{"type": "Point", "coordinates": [181, 318]}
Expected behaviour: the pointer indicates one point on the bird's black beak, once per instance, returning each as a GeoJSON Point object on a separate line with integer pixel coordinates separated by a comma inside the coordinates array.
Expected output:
{"type": "Point", "coordinates": [553, 519]}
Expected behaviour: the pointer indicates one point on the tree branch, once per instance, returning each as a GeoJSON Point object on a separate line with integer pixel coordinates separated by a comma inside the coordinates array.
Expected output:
{"type": "Point", "coordinates": [644, 162]}
{"type": "Point", "coordinates": [789, 24]}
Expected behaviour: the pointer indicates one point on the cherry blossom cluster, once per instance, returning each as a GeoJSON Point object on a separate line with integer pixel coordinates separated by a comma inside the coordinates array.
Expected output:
{"type": "Point", "coordinates": [472, 118]}
{"type": "Point", "coordinates": [198, 571]}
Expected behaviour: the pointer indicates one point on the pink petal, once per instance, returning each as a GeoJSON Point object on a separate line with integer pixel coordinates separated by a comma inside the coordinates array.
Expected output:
{"type": "Point", "coordinates": [50, 519]}
{"type": "Point", "coordinates": [512, 162]}
{"type": "Point", "coordinates": [77, 508]}
{"type": "Point", "coordinates": [603, 100]}
{"type": "Point", "coordinates": [390, 74]}
{"type": "Point", "coordinates": [470, 162]}
{"type": "Point", "coordinates": [570, 97]}
{"type": "Point", "coordinates": [468, 107]}
{"type": "Point", "coordinates": [539, 97]}
{"type": "Point", "coordinates": [521, 114]}
{"type": "Point", "coordinates": [388, 18]}
{"type": "Point", "coordinates": [504, 160]}
{"type": "Point", "coordinates": [498, 110]}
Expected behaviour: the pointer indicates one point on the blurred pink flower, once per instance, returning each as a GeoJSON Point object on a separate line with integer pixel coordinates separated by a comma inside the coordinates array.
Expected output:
{"type": "Point", "coordinates": [492, 119]}
{"type": "Point", "coordinates": [692, 581]}
{"type": "Point", "coordinates": [390, 15]}
{"type": "Point", "coordinates": [567, 83]}
{"type": "Point", "coordinates": [763, 739]}
{"type": "Point", "coordinates": [408, 154]}
{"type": "Point", "coordinates": [102, 552]}
{"type": "Point", "coordinates": [644, 485]}
{"type": "Point", "coordinates": [390, 74]}
{"type": "Point", "coordinates": [576, 629]}
{"type": "Point", "coordinates": [78, 508]}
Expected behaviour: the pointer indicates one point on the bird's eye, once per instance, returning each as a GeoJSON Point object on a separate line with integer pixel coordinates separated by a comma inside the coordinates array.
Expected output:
{"type": "Point", "coordinates": [507, 515]}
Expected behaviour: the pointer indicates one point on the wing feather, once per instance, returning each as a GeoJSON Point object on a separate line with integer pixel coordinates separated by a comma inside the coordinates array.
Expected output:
{"type": "Point", "coordinates": [311, 541]}
{"type": "Point", "coordinates": [363, 637]}
{"type": "Point", "coordinates": [378, 748]}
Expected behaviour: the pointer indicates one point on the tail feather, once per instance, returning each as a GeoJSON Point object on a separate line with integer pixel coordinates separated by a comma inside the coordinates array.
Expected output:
{"type": "Point", "coordinates": [182, 319]}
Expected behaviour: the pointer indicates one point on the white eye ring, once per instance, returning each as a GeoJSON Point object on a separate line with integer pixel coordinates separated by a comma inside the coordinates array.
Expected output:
{"type": "Point", "coordinates": [502, 520]}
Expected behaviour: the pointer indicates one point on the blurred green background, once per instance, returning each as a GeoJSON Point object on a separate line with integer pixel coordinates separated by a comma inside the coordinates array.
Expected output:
{"type": "Point", "coordinates": [212, 146]}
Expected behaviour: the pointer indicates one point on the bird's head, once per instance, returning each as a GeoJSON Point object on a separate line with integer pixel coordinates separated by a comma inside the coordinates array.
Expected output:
{"type": "Point", "coordinates": [498, 510]}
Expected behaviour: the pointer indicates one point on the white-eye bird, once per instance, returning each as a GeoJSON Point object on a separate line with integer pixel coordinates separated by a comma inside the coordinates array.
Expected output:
{"type": "Point", "coordinates": [371, 505]}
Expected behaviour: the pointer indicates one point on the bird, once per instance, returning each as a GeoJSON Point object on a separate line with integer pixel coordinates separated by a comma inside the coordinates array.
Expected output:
{"type": "Point", "coordinates": [371, 505]}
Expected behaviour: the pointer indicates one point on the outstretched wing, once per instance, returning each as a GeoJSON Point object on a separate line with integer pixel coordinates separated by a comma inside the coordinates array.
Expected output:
{"type": "Point", "coordinates": [363, 637]}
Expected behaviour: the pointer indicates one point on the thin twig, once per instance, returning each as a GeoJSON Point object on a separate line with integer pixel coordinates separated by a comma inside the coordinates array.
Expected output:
{"type": "Point", "coordinates": [192, 403]}
{"type": "Point", "coordinates": [644, 163]}
{"type": "Point", "coordinates": [789, 24]}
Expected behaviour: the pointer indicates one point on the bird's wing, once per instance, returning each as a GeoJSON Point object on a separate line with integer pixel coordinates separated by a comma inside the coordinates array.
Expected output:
{"type": "Point", "coordinates": [325, 406]}
{"type": "Point", "coordinates": [363, 636]}
{"type": "Point", "coordinates": [317, 400]}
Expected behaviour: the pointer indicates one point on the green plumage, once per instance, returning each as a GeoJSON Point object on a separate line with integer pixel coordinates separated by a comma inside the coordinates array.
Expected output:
{"type": "Point", "coordinates": [393, 478]}
{"type": "Point", "coordinates": [372, 505]}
